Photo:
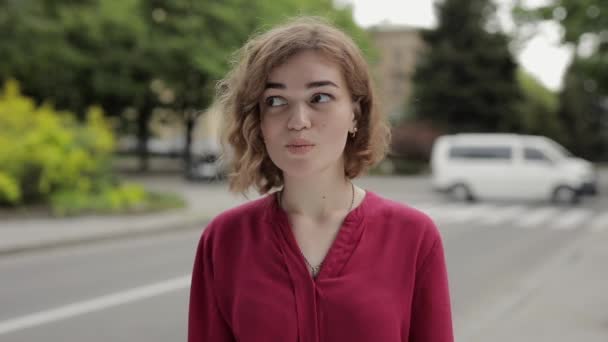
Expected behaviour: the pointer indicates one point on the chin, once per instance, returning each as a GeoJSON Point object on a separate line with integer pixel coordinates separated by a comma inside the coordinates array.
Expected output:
{"type": "Point", "coordinates": [306, 168]}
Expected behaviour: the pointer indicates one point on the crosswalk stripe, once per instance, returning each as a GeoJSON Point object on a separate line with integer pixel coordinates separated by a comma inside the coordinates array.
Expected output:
{"type": "Point", "coordinates": [572, 219]}
{"type": "Point", "coordinates": [469, 213]}
{"type": "Point", "coordinates": [443, 213]}
{"type": "Point", "coordinates": [490, 215]}
{"type": "Point", "coordinates": [487, 212]}
{"type": "Point", "coordinates": [465, 212]}
{"type": "Point", "coordinates": [536, 217]}
{"type": "Point", "coordinates": [434, 211]}
{"type": "Point", "coordinates": [600, 223]}
{"type": "Point", "coordinates": [426, 208]}
{"type": "Point", "coordinates": [503, 215]}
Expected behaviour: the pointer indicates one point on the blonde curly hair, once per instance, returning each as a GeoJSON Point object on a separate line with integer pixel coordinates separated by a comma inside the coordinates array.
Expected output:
{"type": "Point", "coordinates": [240, 91]}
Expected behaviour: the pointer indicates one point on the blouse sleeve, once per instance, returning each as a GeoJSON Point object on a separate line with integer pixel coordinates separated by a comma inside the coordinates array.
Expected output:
{"type": "Point", "coordinates": [431, 319]}
{"type": "Point", "coordinates": [205, 322]}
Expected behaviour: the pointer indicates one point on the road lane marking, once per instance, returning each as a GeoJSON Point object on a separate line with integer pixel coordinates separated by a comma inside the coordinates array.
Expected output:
{"type": "Point", "coordinates": [520, 216]}
{"type": "Point", "coordinates": [536, 217]}
{"type": "Point", "coordinates": [432, 211]}
{"type": "Point", "coordinates": [503, 215]}
{"type": "Point", "coordinates": [600, 223]}
{"type": "Point", "coordinates": [471, 212]}
{"type": "Point", "coordinates": [95, 304]}
{"type": "Point", "coordinates": [572, 219]}
{"type": "Point", "coordinates": [424, 207]}
{"type": "Point", "coordinates": [451, 212]}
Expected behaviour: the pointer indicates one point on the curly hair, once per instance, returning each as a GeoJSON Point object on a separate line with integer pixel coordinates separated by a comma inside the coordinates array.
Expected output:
{"type": "Point", "coordinates": [240, 91]}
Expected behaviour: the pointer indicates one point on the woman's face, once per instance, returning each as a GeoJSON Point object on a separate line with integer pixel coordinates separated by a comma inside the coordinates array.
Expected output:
{"type": "Point", "coordinates": [306, 115]}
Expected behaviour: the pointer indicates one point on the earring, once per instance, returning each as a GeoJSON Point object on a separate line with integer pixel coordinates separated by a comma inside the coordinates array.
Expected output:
{"type": "Point", "coordinates": [353, 133]}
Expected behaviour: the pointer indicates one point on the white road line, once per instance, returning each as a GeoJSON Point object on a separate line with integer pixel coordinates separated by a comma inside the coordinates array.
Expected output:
{"type": "Point", "coordinates": [536, 217]}
{"type": "Point", "coordinates": [424, 207]}
{"type": "Point", "coordinates": [460, 213]}
{"type": "Point", "coordinates": [600, 223]}
{"type": "Point", "coordinates": [447, 213]}
{"type": "Point", "coordinates": [429, 209]}
{"type": "Point", "coordinates": [572, 219]}
{"type": "Point", "coordinates": [471, 212]}
{"type": "Point", "coordinates": [503, 215]}
{"type": "Point", "coordinates": [95, 304]}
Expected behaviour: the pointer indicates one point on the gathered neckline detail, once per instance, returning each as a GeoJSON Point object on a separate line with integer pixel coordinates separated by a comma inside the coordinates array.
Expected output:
{"type": "Point", "coordinates": [341, 248]}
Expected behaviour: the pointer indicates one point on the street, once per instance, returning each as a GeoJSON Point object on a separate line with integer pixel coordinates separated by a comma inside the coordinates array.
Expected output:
{"type": "Point", "coordinates": [500, 256]}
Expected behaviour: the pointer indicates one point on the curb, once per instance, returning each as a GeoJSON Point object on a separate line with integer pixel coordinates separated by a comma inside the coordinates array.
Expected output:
{"type": "Point", "coordinates": [190, 223]}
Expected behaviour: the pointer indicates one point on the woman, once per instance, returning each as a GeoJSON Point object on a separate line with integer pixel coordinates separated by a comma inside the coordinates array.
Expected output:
{"type": "Point", "coordinates": [320, 259]}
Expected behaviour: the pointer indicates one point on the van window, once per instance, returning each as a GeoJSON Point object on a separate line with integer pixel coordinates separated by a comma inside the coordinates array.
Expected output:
{"type": "Point", "coordinates": [534, 154]}
{"type": "Point", "coordinates": [481, 152]}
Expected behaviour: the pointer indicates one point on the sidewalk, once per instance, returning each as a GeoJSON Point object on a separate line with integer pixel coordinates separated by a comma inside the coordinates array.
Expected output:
{"type": "Point", "coordinates": [204, 201]}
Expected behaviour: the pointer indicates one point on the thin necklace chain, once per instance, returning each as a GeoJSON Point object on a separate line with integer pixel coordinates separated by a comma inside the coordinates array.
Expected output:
{"type": "Point", "coordinates": [315, 269]}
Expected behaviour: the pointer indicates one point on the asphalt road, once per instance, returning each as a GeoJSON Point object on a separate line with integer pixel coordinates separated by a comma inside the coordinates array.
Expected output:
{"type": "Point", "coordinates": [137, 289]}
{"type": "Point", "coordinates": [51, 281]}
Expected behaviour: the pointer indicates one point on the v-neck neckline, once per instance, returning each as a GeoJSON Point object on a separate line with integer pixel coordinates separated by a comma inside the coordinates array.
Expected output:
{"type": "Point", "coordinates": [341, 248]}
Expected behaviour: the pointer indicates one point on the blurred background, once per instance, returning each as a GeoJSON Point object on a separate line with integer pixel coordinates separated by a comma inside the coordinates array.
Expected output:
{"type": "Point", "coordinates": [110, 161]}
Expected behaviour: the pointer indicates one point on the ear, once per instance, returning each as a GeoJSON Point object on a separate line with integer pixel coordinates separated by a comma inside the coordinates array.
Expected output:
{"type": "Point", "coordinates": [356, 108]}
{"type": "Point", "coordinates": [356, 112]}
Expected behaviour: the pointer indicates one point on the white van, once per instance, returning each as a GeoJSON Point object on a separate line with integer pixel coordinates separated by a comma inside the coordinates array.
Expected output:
{"type": "Point", "coordinates": [498, 165]}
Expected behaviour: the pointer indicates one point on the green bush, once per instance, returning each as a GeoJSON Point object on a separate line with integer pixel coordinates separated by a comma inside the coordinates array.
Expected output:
{"type": "Point", "coordinates": [128, 197]}
{"type": "Point", "coordinates": [47, 156]}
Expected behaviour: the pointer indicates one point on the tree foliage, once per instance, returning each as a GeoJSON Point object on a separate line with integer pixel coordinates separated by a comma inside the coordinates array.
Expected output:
{"type": "Point", "coordinates": [137, 54]}
{"type": "Point", "coordinates": [467, 79]}
{"type": "Point", "coordinates": [538, 108]}
{"type": "Point", "coordinates": [49, 157]}
{"type": "Point", "coordinates": [576, 17]}
{"type": "Point", "coordinates": [583, 105]}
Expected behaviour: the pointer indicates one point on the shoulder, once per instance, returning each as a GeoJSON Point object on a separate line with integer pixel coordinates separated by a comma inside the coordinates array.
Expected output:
{"type": "Point", "coordinates": [402, 224]}
{"type": "Point", "coordinates": [399, 216]}
{"type": "Point", "coordinates": [235, 223]}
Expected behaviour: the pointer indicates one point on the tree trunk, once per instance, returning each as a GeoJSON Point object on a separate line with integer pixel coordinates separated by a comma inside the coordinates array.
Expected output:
{"type": "Point", "coordinates": [190, 121]}
{"type": "Point", "coordinates": [190, 117]}
{"type": "Point", "coordinates": [143, 134]}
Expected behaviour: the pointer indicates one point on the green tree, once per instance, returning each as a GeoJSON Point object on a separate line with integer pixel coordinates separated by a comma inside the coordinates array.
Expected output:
{"type": "Point", "coordinates": [538, 108]}
{"type": "Point", "coordinates": [577, 17]}
{"type": "Point", "coordinates": [583, 107]}
{"type": "Point", "coordinates": [467, 79]}
{"type": "Point", "coordinates": [137, 54]}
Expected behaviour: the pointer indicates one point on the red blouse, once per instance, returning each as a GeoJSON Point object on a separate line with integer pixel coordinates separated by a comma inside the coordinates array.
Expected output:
{"type": "Point", "coordinates": [383, 279]}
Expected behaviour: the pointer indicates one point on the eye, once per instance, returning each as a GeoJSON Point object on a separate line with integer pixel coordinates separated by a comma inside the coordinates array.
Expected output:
{"type": "Point", "coordinates": [275, 101]}
{"type": "Point", "coordinates": [321, 98]}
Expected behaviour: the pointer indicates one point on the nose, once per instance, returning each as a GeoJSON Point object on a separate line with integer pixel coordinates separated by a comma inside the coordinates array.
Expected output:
{"type": "Point", "coordinates": [299, 118]}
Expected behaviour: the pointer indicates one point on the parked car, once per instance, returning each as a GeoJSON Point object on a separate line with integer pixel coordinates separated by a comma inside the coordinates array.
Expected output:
{"type": "Point", "coordinates": [209, 160]}
{"type": "Point", "coordinates": [207, 167]}
{"type": "Point", "coordinates": [498, 165]}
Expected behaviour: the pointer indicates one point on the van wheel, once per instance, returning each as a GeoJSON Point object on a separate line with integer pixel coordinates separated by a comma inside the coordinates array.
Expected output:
{"type": "Point", "coordinates": [564, 194]}
{"type": "Point", "coordinates": [462, 193]}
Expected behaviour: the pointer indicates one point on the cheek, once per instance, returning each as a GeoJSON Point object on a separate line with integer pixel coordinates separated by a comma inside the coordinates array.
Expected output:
{"type": "Point", "coordinates": [265, 128]}
{"type": "Point", "coordinates": [269, 132]}
{"type": "Point", "coordinates": [335, 126]}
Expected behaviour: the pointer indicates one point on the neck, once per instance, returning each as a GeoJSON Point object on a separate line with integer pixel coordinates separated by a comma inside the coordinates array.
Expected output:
{"type": "Point", "coordinates": [319, 197]}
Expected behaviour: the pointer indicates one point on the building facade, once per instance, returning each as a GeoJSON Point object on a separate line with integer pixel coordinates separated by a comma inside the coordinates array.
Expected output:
{"type": "Point", "coordinates": [398, 49]}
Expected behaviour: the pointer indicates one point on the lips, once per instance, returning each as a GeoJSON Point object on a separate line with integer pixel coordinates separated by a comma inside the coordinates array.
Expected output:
{"type": "Point", "coordinates": [299, 146]}
{"type": "Point", "coordinates": [299, 143]}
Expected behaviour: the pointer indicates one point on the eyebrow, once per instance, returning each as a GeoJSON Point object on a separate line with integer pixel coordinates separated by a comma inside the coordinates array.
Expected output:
{"type": "Point", "coordinates": [314, 84]}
